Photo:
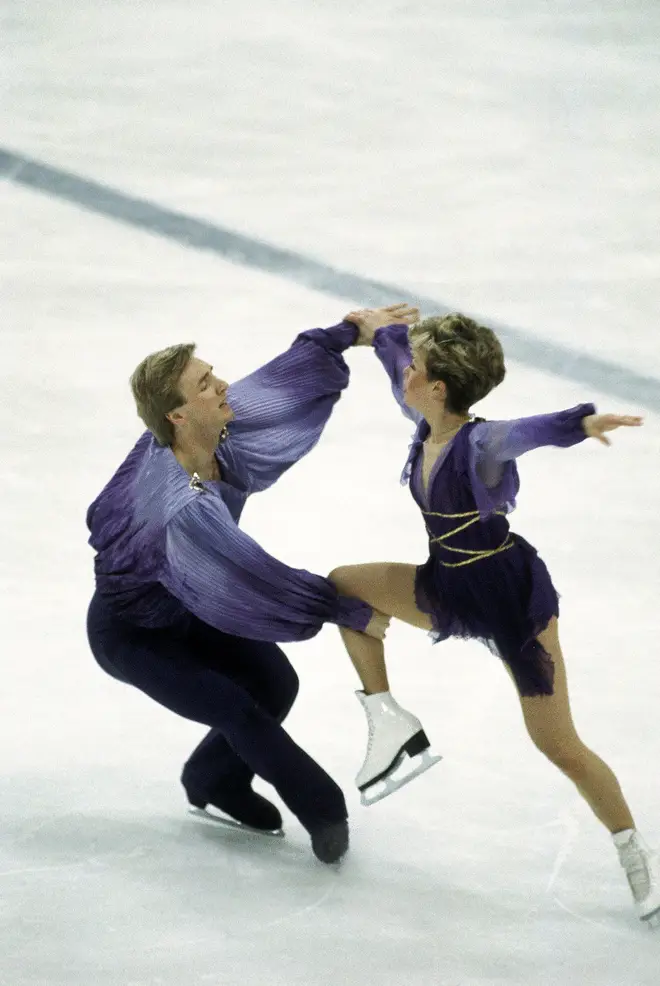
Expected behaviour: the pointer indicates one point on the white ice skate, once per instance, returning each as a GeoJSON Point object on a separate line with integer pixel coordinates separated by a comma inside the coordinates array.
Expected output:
{"type": "Point", "coordinates": [643, 872]}
{"type": "Point", "coordinates": [396, 740]}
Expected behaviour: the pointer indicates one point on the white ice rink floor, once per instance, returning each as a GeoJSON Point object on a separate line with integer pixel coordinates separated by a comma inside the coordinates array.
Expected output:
{"type": "Point", "coordinates": [501, 158]}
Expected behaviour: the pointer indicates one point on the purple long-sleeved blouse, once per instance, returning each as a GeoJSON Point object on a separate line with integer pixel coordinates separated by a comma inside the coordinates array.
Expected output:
{"type": "Point", "coordinates": [167, 546]}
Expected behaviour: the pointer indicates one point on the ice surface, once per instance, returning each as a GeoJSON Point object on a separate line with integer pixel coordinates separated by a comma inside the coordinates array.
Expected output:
{"type": "Point", "coordinates": [502, 157]}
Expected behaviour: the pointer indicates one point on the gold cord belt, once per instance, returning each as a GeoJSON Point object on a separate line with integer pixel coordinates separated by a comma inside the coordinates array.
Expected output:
{"type": "Point", "coordinates": [475, 555]}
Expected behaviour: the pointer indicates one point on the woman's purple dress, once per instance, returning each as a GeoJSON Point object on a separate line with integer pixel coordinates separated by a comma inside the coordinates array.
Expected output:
{"type": "Point", "coordinates": [481, 580]}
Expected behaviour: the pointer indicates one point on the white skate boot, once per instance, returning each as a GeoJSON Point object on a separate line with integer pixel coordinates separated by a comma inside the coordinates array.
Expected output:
{"type": "Point", "coordinates": [395, 736]}
{"type": "Point", "coordinates": [641, 866]}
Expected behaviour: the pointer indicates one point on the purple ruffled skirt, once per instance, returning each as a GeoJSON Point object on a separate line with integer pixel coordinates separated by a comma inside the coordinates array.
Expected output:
{"type": "Point", "coordinates": [505, 601]}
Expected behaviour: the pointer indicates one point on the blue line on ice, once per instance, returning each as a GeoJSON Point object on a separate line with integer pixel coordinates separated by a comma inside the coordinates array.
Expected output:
{"type": "Point", "coordinates": [563, 361]}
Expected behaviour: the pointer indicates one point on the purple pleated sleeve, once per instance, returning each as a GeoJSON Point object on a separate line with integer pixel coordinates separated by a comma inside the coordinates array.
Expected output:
{"type": "Point", "coordinates": [393, 350]}
{"type": "Point", "coordinates": [217, 571]}
{"type": "Point", "coordinates": [226, 579]}
{"type": "Point", "coordinates": [165, 547]}
{"type": "Point", "coordinates": [495, 445]}
{"type": "Point", "coordinates": [281, 409]}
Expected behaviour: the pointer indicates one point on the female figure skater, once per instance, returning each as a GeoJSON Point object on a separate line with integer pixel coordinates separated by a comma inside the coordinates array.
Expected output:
{"type": "Point", "coordinates": [480, 580]}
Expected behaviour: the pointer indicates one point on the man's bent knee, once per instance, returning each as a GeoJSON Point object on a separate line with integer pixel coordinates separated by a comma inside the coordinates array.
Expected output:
{"type": "Point", "coordinates": [287, 690]}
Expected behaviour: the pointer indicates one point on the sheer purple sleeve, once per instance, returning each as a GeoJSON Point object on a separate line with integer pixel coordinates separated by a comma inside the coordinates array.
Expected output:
{"type": "Point", "coordinates": [393, 350]}
{"type": "Point", "coordinates": [282, 408]}
{"type": "Point", "coordinates": [494, 446]}
{"type": "Point", "coordinates": [222, 576]}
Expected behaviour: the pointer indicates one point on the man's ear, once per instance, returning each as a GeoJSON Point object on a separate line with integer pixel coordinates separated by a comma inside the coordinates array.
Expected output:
{"type": "Point", "coordinates": [174, 417]}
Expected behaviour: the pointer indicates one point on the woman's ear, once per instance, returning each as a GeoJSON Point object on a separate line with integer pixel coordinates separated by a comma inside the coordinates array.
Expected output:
{"type": "Point", "coordinates": [440, 390]}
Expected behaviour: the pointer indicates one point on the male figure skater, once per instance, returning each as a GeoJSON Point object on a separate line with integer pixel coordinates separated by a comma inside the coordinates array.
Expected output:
{"type": "Point", "coordinates": [188, 608]}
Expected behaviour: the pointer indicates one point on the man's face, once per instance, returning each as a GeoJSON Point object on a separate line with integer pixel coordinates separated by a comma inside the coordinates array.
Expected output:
{"type": "Point", "coordinates": [204, 399]}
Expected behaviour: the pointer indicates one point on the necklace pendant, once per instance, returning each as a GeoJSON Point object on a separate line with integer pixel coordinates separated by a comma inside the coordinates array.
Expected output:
{"type": "Point", "coordinates": [196, 484]}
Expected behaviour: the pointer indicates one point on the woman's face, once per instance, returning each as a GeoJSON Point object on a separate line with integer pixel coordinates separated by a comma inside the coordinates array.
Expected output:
{"type": "Point", "coordinates": [417, 388]}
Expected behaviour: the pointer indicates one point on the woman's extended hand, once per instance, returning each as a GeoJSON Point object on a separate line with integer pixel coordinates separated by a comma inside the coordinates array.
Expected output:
{"type": "Point", "coordinates": [595, 425]}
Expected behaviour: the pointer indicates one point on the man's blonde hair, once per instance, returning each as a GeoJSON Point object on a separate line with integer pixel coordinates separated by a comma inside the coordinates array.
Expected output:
{"type": "Point", "coordinates": [466, 356]}
{"type": "Point", "coordinates": [155, 386]}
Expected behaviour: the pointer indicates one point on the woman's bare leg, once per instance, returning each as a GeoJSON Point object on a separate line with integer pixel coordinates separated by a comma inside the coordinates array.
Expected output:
{"type": "Point", "coordinates": [393, 731]}
{"type": "Point", "coordinates": [390, 588]}
{"type": "Point", "coordinates": [550, 725]}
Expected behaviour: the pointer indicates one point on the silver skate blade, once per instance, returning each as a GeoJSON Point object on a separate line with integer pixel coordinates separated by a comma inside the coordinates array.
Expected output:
{"type": "Point", "coordinates": [398, 778]}
{"type": "Point", "coordinates": [652, 921]}
{"type": "Point", "coordinates": [230, 823]}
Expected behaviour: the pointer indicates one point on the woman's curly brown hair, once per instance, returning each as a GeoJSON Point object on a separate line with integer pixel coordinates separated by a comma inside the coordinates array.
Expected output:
{"type": "Point", "coordinates": [466, 356]}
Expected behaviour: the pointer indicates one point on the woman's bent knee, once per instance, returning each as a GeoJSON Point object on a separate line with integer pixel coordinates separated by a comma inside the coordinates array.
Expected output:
{"type": "Point", "coordinates": [571, 760]}
{"type": "Point", "coordinates": [341, 576]}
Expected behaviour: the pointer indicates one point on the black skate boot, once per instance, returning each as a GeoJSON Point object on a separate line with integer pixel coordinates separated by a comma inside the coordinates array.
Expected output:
{"type": "Point", "coordinates": [330, 840]}
{"type": "Point", "coordinates": [242, 804]}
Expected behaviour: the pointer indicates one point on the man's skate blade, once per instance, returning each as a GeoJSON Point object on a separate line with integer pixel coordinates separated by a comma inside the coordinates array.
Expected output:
{"type": "Point", "coordinates": [388, 785]}
{"type": "Point", "coordinates": [230, 823]}
{"type": "Point", "coordinates": [652, 921]}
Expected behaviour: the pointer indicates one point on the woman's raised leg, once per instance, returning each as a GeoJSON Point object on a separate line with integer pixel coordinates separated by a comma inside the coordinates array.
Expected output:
{"type": "Point", "coordinates": [390, 588]}
{"type": "Point", "coordinates": [394, 733]}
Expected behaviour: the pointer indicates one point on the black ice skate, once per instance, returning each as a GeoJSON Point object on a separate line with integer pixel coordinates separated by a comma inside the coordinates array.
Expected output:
{"type": "Point", "coordinates": [241, 808]}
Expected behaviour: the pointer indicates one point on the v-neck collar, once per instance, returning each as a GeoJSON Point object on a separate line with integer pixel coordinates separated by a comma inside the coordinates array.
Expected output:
{"type": "Point", "coordinates": [435, 468]}
{"type": "Point", "coordinates": [437, 465]}
{"type": "Point", "coordinates": [227, 479]}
